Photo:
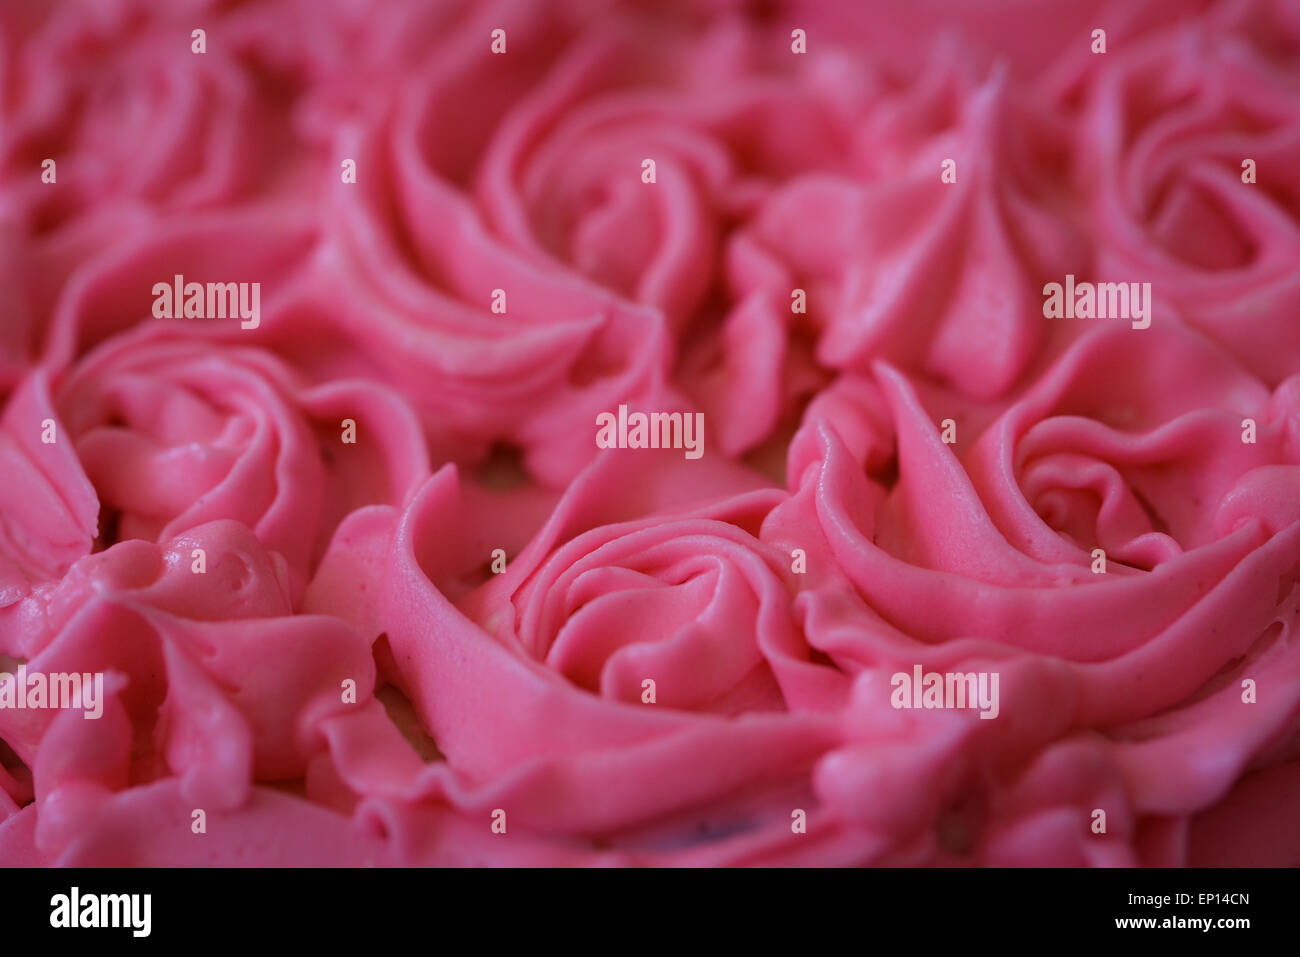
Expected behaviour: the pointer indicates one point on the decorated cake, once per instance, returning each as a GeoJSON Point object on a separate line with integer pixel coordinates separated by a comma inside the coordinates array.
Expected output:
{"type": "Point", "coordinates": [522, 433]}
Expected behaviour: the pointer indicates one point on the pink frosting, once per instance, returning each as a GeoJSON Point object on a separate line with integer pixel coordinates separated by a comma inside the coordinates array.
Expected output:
{"type": "Point", "coordinates": [475, 636]}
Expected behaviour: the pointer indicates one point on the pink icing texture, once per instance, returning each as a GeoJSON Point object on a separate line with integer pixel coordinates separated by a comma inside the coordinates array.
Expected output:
{"type": "Point", "coordinates": [472, 635]}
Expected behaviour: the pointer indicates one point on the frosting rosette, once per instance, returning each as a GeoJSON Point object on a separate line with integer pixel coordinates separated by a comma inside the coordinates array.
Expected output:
{"type": "Point", "coordinates": [98, 83]}
{"type": "Point", "coordinates": [173, 433]}
{"type": "Point", "coordinates": [835, 266]}
{"type": "Point", "coordinates": [1192, 133]}
{"type": "Point", "coordinates": [206, 679]}
{"type": "Point", "coordinates": [1110, 537]}
{"type": "Point", "coordinates": [698, 120]}
{"type": "Point", "coordinates": [409, 287]}
{"type": "Point", "coordinates": [639, 631]}
{"type": "Point", "coordinates": [896, 268]}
